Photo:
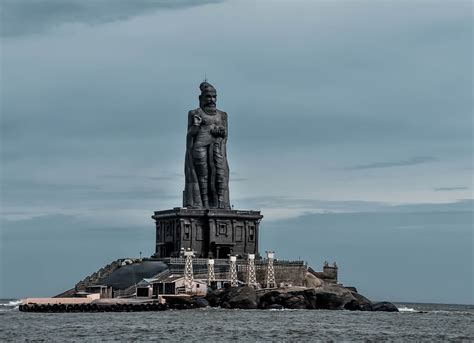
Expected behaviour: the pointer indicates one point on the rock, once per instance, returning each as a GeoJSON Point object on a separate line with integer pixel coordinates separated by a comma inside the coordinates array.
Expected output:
{"type": "Point", "coordinates": [270, 298]}
{"type": "Point", "coordinates": [359, 303]}
{"type": "Point", "coordinates": [332, 297]}
{"type": "Point", "coordinates": [180, 302]}
{"type": "Point", "coordinates": [310, 295]}
{"type": "Point", "coordinates": [384, 306]}
{"type": "Point", "coordinates": [241, 297]}
{"type": "Point", "coordinates": [311, 281]}
{"type": "Point", "coordinates": [200, 302]}
{"type": "Point", "coordinates": [226, 305]}
{"type": "Point", "coordinates": [296, 302]}
{"type": "Point", "coordinates": [352, 305]}
{"type": "Point", "coordinates": [328, 296]}
{"type": "Point", "coordinates": [361, 300]}
{"type": "Point", "coordinates": [214, 297]}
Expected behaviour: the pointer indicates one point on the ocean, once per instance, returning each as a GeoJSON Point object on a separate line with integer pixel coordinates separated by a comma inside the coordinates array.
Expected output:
{"type": "Point", "coordinates": [414, 322]}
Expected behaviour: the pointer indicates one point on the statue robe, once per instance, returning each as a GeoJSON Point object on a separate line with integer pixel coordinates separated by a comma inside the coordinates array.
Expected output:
{"type": "Point", "coordinates": [192, 192]}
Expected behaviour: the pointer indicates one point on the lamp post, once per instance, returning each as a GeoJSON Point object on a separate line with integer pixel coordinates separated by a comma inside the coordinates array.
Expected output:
{"type": "Point", "coordinates": [211, 276]}
{"type": "Point", "coordinates": [251, 277]}
{"type": "Point", "coordinates": [188, 270]}
{"type": "Point", "coordinates": [233, 271]}
{"type": "Point", "coordinates": [270, 274]}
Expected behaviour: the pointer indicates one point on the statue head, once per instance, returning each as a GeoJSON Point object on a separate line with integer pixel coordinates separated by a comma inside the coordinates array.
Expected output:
{"type": "Point", "coordinates": [208, 97]}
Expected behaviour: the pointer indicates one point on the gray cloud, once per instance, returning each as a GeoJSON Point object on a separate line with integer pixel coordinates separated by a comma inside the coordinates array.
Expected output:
{"type": "Point", "coordinates": [171, 176]}
{"type": "Point", "coordinates": [23, 17]}
{"type": "Point", "coordinates": [448, 189]}
{"type": "Point", "coordinates": [389, 164]}
{"type": "Point", "coordinates": [75, 108]}
{"type": "Point", "coordinates": [463, 205]}
{"type": "Point", "coordinates": [43, 193]}
{"type": "Point", "coordinates": [294, 203]}
{"type": "Point", "coordinates": [263, 202]}
{"type": "Point", "coordinates": [40, 186]}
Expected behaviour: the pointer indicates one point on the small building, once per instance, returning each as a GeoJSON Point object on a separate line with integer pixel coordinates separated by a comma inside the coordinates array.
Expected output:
{"type": "Point", "coordinates": [104, 291]}
{"type": "Point", "coordinates": [144, 289]}
{"type": "Point", "coordinates": [174, 284]}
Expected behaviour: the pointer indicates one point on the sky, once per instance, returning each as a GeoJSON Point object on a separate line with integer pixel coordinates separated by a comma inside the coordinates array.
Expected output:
{"type": "Point", "coordinates": [350, 128]}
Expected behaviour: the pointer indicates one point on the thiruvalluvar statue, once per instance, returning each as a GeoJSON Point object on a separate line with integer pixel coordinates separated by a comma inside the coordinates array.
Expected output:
{"type": "Point", "coordinates": [206, 169]}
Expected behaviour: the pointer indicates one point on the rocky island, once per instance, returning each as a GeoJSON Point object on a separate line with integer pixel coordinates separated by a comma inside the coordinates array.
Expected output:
{"type": "Point", "coordinates": [207, 252]}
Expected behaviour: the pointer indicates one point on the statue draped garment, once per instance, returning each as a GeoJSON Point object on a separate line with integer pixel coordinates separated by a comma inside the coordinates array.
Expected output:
{"type": "Point", "coordinates": [206, 169]}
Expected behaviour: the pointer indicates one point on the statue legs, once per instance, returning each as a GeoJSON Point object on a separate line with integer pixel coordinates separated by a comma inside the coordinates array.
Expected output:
{"type": "Point", "coordinates": [209, 164]}
{"type": "Point", "coordinates": [219, 162]}
{"type": "Point", "coordinates": [201, 165]}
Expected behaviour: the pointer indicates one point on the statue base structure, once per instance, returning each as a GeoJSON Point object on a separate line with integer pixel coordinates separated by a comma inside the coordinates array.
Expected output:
{"type": "Point", "coordinates": [211, 233]}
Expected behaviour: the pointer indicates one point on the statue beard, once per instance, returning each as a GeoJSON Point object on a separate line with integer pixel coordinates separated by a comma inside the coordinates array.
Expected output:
{"type": "Point", "coordinates": [210, 109]}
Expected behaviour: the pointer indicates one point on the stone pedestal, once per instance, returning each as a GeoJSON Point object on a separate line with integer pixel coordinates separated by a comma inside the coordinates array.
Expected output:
{"type": "Point", "coordinates": [212, 233]}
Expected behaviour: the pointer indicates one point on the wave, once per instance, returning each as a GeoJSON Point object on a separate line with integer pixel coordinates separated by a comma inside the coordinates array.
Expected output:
{"type": "Point", "coordinates": [407, 309]}
{"type": "Point", "coordinates": [11, 303]}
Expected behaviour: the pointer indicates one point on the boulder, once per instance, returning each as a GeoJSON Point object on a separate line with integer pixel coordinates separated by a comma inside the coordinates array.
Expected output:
{"type": "Point", "coordinates": [332, 297]}
{"type": "Point", "coordinates": [310, 295]}
{"type": "Point", "coordinates": [241, 297]}
{"type": "Point", "coordinates": [226, 305]}
{"type": "Point", "coordinates": [179, 302]}
{"type": "Point", "coordinates": [214, 297]}
{"type": "Point", "coordinates": [352, 306]}
{"type": "Point", "coordinates": [359, 303]}
{"type": "Point", "coordinates": [270, 298]}
{"type": "Point", "coordinates": [200, 302]}
{"type": "Point", "coordinates": [297, 301]}
{"type": "Point", "coordinates": [384, 306]}
{"type": "Point", "coordinates": [311, 281]}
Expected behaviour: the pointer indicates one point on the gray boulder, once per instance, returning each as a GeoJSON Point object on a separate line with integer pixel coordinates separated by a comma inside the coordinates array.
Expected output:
{"type": "Point", "coordinates": [311, 281]}
{"type": "Point", "coordinates": [359, 303]}
{"type": "Point", "coordinates": [241, 297]}
{"type": "Point", "coordinates": [332, 297]}
{"type": "Point", "coordinates": [200, 302]}
{"type": "Point", "coordinates": [384, 306]}
{"type": "Point", "coordinates": [271, 298]}
{"type": "Point", "coordinates": [296, 301]}
{"type": "Point", "coordinates": [214, 297]}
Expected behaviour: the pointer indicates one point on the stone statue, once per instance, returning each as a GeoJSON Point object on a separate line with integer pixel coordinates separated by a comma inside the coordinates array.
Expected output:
{"type": "Point", "coordinates": [206, 170]}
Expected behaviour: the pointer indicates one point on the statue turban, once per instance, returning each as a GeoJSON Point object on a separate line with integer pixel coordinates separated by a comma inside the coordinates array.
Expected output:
{"type": "Point", "coordinates": [206, 87]}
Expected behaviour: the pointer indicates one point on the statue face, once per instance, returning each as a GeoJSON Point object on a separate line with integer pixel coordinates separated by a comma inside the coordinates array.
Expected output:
{"type": "Point", "coordinates": [208, 99]}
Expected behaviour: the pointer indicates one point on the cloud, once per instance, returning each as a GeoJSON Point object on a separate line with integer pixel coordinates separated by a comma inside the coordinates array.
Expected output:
{"type": "Point", "coordinates": [447, 189]}
{"type": "Point", "coordinates": [389, 164]}
{"type": "Point", "coordinates": [112, 100]}
{"type": "Point", "coordinates": [281, 207]}
{"type": "Point", "coordinates": [33, 186]}
{"type": "Point", "coordinates": [463, 205]}
{"type": "Point", "coordinates": [170, 176]}
{"type": "Point", "coordinates": [285, 202]}
{"type": "Point", "coordinates": [23, 17]}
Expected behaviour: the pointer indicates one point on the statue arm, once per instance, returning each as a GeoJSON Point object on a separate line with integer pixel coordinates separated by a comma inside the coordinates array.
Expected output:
{"type": "Point", "coordinates": [192, 129]}
{"type": "Point", "coordinates": [224, 139]}
{"type": "Point", "coordinates": [225, 126]}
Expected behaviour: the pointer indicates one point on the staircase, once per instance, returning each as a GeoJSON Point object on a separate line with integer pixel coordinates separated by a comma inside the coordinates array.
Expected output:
{"type": "Point", "coordinates": [97, 277]}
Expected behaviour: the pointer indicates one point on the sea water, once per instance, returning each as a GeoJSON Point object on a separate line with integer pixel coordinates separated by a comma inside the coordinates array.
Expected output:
{"type": "Point", "coordinates": [414, 322]}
